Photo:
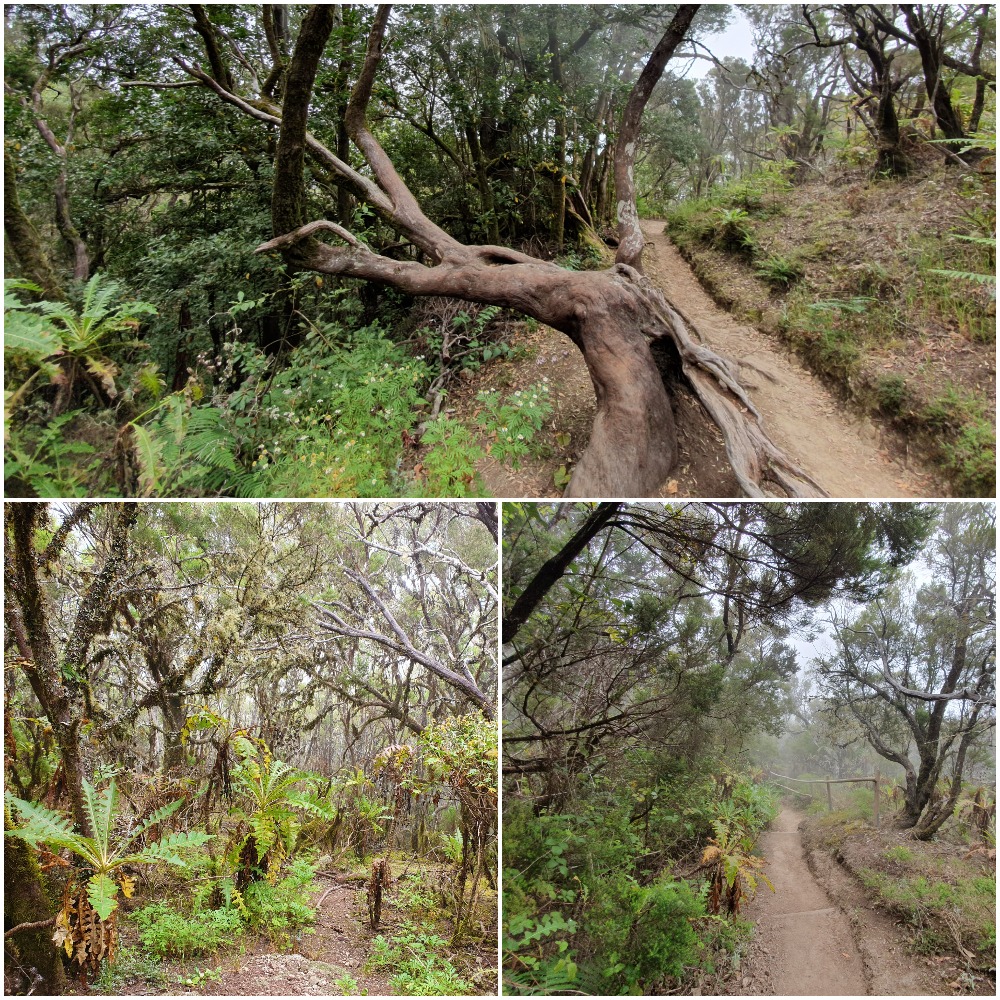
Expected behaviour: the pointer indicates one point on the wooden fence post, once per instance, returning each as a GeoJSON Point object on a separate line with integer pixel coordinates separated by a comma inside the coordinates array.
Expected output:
{"type": "Point", "coordinates": [829, 798]}
{"type": "Point", "coordinates": [875, 810]}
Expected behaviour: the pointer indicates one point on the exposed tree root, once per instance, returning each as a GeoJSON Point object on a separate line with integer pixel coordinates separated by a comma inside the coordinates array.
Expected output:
{"type": "Point", "coordinates": [754, 457]}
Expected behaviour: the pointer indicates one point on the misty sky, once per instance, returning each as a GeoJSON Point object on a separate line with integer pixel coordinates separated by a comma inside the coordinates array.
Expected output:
{"type": "Point", "coordinates": [735, 40]}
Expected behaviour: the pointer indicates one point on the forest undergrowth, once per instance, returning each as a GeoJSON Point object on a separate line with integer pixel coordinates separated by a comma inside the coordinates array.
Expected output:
{"type": "Point", "coordinates": [355, 410]}
{"type": "Point", "coordinates": [194, 904]}
{"type": "Point", "coordinates": [634, 893]}
{"type": "Point", "coordinates": [295, 801]}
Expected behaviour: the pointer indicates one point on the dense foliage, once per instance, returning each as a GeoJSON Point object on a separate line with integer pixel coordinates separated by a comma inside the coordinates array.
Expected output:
{"type": "Point", "coordinates": [252, 696]}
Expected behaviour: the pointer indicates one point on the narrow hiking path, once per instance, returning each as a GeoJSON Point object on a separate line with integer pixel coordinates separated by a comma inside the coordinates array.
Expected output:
{"type": "Point", "coordinates": [808, 940]}
{"type": "Point", "coordinates": [848, 455]}
{"type": "Point", "coordinates": [336, 949]}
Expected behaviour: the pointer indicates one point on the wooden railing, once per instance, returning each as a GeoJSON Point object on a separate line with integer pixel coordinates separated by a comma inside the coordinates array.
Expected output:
{"type": "Point", "coordinates": [875, 782]}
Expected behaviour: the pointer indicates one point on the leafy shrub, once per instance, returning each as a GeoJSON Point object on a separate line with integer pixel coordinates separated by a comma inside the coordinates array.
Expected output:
{"type": "Point", "coordinates": [43, 461]}
{"type": "Point", "coordinates": [131, 964]}
{"type": "Point", "coordinates": [664, 940]}
{"type": "Point", "coordinates": [893, 394]}
{"type": "Point", "coordinates": [449, 466]}
{"type": "Point", "coordinates": [971, 459]}
{"type": "Point", "coordinates": [578, 914]}
{"type": "Point", "coordinates": [283, 905]}
{"type": "Point", "coordinates": [164, 931]}
{"type": "Point", "coordinates": [733, 232]}
{"type": "Point", "coordinates": [414, 954]}
{"type": "Point", "coordinates": [463, 335]}
{"type": "Point", "coordinates": [515, 421]}
{"type": "Point", "coordinates": [333, 418]}
{"type": "Point", "coordinates": [691, 222]}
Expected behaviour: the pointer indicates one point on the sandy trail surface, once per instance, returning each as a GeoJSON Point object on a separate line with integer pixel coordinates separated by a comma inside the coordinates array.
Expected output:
{"type": "Point", "coordinates": [847, 455]}
{"type": "Point", "coordinates": [809, 940]}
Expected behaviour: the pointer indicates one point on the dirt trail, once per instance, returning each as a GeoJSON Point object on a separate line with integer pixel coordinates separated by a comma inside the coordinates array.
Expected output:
{"type": "Point", "coordinates": [809, 941]}
{"type": "Point", "coordinates": [847, 455]}
{"type": "Point", "coordinates": [337, 947]}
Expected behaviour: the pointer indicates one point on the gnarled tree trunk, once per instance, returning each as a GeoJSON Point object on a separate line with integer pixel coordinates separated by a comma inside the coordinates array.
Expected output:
{"type": "Point", "coordinates": [612, 316]}
{"type": "Point", "coordinates": [23, 236]}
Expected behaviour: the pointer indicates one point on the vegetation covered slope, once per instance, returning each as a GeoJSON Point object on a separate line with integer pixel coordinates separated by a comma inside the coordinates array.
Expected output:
{"type": "Point", "coordinates": [886, 286]}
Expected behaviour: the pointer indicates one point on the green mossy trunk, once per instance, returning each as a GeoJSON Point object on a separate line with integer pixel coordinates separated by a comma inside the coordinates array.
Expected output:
{"type": "Point", "coordinates": [31, 953]}
{"type": "Point", "coordinates": [24, 239]}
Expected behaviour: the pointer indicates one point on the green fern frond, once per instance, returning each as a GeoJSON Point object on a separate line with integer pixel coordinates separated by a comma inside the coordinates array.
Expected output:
{"type": "Point", "coordinates": [166, 848]}
{"type": "Point", "coordinates": [152, 820]}
{"type": "Point", "coordinates": [146, 451]}
{"type": "Point", "coordinates": [100, 809]}
{"type": "Point", "coordinates": [982, 279]}
{"type": "Point", "coordinates": [102, 891]}
{"type": "Point", "coordinates": [42, 826]}
{"type": "Point", "coordinates": [265, 833]}
{"type": "Point", "coordinates": [209, 440]}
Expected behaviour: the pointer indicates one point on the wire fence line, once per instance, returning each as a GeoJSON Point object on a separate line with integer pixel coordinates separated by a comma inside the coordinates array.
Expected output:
{"type": "Point", "coordinates": [875, 781]}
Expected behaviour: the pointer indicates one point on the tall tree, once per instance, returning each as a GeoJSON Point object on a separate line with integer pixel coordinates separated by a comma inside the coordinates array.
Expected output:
{"type": "Point", "coordinates": [866, 34]}
{"type": "Point", "coordinates": [56, 665]}
{"type": "Point", "coordinates": [917, 670]}
{"type": "Point", "coordinates": [66, 39]}
{"type": "Point", "coordinates": [630, 237]}
{"type": "Point", "coordinates": [667, 623]}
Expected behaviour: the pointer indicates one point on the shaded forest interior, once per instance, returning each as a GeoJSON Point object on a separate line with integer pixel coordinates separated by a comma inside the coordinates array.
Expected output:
{"type": "Point", "coordinates": [460, 171]}
{"type": "Point", "coordinates": [216, 716]}
{"type": "Point", "coordinates": [664, 662]}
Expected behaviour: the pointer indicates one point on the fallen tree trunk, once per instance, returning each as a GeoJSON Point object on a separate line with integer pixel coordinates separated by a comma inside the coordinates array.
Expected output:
{"type": "Point", "coordinates": [612, 316]}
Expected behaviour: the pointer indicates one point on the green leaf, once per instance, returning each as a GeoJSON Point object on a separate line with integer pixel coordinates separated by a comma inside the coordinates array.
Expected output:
{"type": "Point", "coordinates": [166, 849]}
{"type": "Point", "coordinates": [265, 833]}
{"type": "Point", "coordinates": [147, 454]}
{"type": "Point", "coordinates": [100, 809]}
{"type": "Point", "coordinates": [29, 335]}
{"type": "Point", "coordinates": [101, 891]}
{"type": "Point", "coordinates": [156, 817]}
{"type": "Point", "coordinates": [42, 826]}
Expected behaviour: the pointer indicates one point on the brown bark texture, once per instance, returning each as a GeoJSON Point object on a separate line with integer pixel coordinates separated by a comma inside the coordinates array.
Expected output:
{"type": "Point", "coordinates": [612, 316]}
{"type": "Point", "coordinates": [24, 239]}
{"type": "Point", "coordinates": [630, 238]}
{"type": "Point", "coordinates": [58, 679]}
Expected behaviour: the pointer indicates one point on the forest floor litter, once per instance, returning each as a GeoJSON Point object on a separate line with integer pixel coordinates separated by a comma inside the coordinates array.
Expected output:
{"type": "Point", "coordinates": [849, 456]}
{"type": "Point", "coordinates": [328, 959]}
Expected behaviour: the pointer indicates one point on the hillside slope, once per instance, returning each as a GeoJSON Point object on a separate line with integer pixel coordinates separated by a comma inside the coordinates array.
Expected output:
{"type": "Point", "coordinates": [886, 288]}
